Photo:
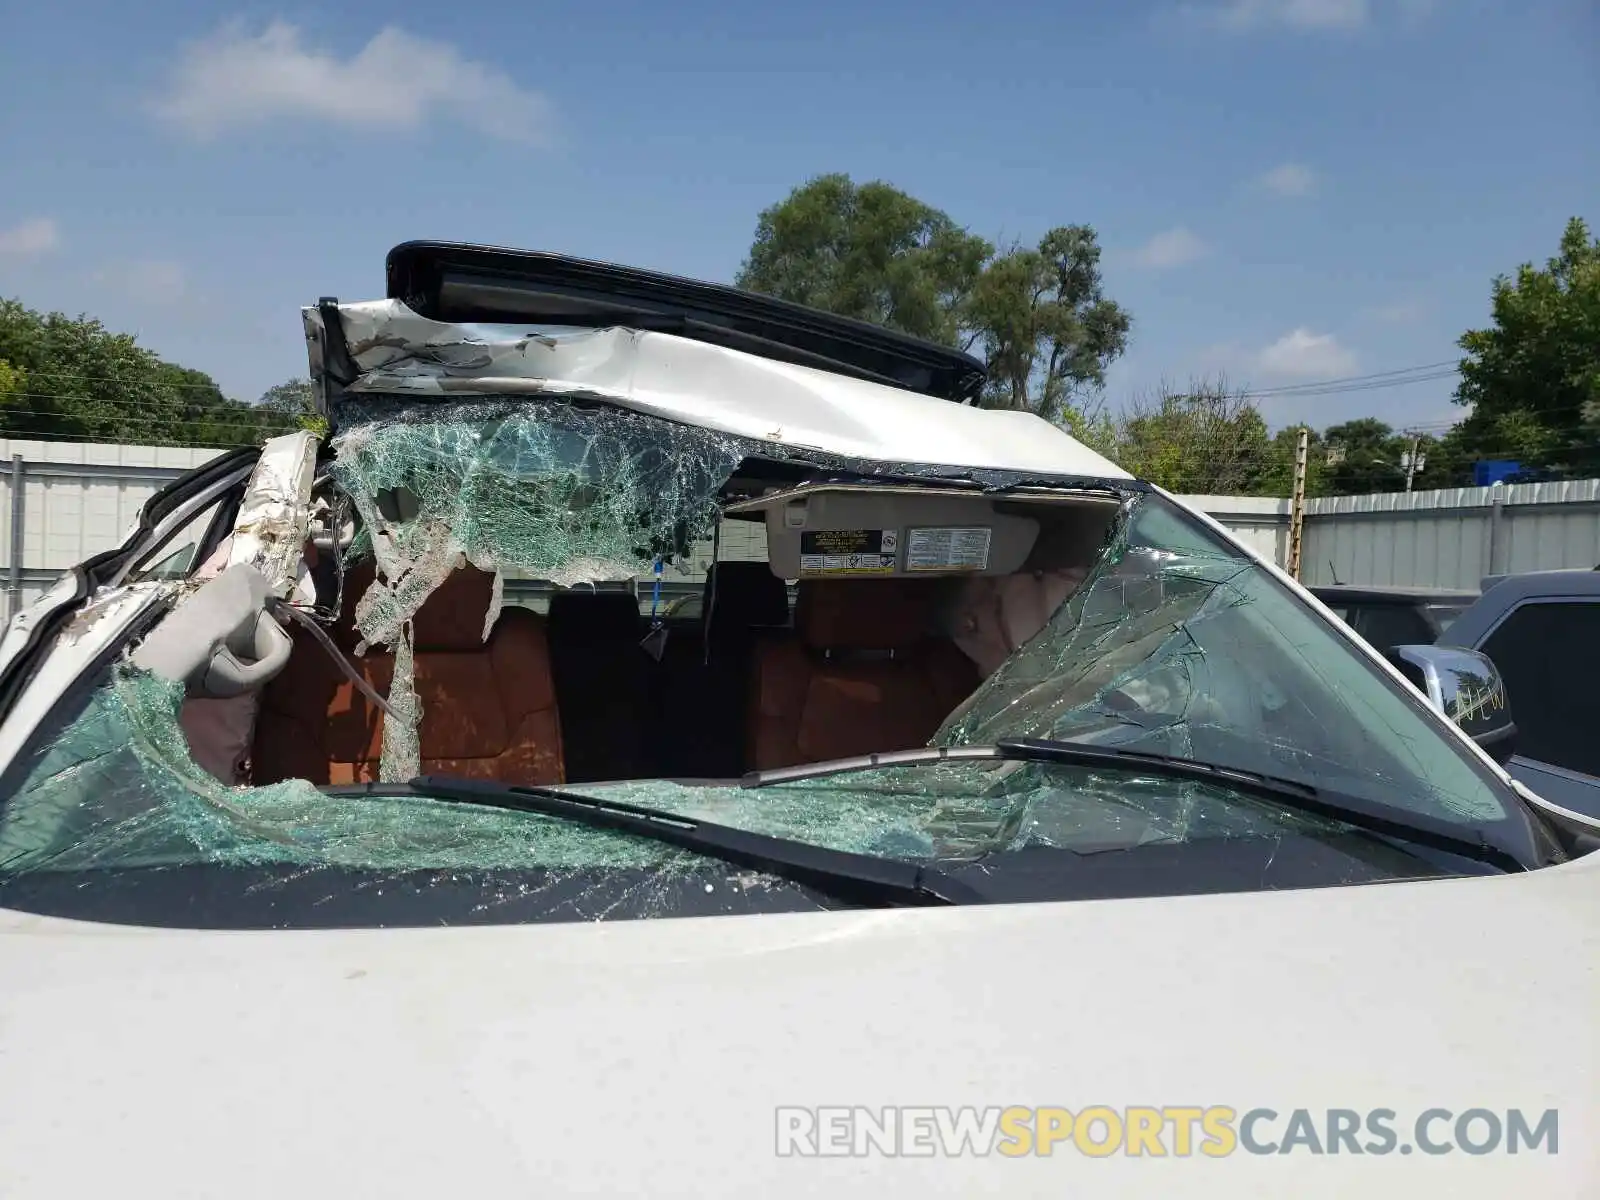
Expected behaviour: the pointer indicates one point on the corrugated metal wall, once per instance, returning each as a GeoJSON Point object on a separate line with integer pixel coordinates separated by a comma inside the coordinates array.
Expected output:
{"type": "Point", "coordinates": [80, 498]}
{"type": "Point", "coordinates": [1445, 539]}
{"type": "Point", "coordinates": [1261, 522]}
{"type": "Point", "coordinates": [1452, 538]}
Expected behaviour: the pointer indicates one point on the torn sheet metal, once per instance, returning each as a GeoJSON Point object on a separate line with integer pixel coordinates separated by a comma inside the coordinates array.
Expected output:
{"type": "Point", "coordinates": [401, 353]}
{"type": "Point", "coordinates": [269, 533]}
{"type": "Point", "coordinates": [109, 610]}
{"type": "Point", "coordinates": [316, 356]}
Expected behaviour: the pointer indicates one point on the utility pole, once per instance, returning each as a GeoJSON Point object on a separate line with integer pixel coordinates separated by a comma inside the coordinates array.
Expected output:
{"type": "Point", "coordinates": [1413, 459]}
{"type": "Point", "coordinates": [1297, 503]}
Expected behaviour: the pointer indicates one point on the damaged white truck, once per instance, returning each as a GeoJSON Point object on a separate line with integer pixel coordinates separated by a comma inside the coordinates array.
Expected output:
{"type": "Point", "coordinates": [998, 777]}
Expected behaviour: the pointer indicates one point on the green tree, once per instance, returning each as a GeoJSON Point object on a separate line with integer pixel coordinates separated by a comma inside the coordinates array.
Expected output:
{"type": "Point", "coordinates": [1045, 327]}
{"type": "Point", "coordinates": [13, 388]}
{"type": "Point", "coordinates": [204, 415]}
{"type": "Point", "coordinates": [83, 381]}
{"type": "Point", "coordinates": [1205, 440]}
{"type": "Point", "coordinates": [1364, 455]}
{"type": "Point", "coordinates": [867, 251]}
{"type": "Point", "coordinates": [1277, 478]}
{"type": "Point", "coordinates": [71, 378]}
{"type": "Point", "coordinates": [1532, 379]}
{"type": "Point", "coordinates": [1094, 427]}
{"type": "Point", "coordinates": [293, 405]}
{"type": "Point", "coordinates": [1037, 314]}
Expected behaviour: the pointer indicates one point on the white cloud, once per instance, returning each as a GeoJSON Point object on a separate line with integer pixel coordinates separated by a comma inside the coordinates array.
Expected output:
{"type": "Point", "coordinates": [1290, 179]}
{"type": "Point", "coordinates": [1305, 355]}
{"type": "Point", "coordinates": [38, 235]}
{"type": "Point", "coordinates": [149, 281]}
{"type": "Point", "coordinates": [1171, 248]}
{"type": "Point", "coordinates": [397, 81]}
{"type": "Point", "coordinates": [1241, 16]}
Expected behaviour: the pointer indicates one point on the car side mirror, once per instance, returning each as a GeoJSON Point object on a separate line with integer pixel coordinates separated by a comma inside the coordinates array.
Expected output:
{"type": "Point", "coordinates": [1466, 687]}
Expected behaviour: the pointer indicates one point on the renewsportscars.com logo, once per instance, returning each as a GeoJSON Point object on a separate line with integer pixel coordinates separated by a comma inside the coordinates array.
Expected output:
{"type": "Point", "coordinates": [1100, 1131]}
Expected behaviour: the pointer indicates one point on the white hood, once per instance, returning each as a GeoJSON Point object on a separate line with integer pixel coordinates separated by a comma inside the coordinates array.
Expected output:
{"type": "Point", "coordinates": [646, 1058]}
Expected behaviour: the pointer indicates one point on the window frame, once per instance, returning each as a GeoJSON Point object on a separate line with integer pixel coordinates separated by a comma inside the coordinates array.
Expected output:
{"type": "Point", "coordinates": [224, 506]}
{"type": "Point", "coordinates": [1499, 623]}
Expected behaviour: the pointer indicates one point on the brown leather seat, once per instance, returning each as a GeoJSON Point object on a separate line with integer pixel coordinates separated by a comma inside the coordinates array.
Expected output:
{"type": "Point", "coordinates": [488, 707]}
{"type": "Point", "coordinates": [864, 673]}
{"type": "Point", "coordinates": [600, 674]}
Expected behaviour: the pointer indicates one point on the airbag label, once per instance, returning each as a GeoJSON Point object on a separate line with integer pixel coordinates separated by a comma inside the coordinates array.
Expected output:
{"type": "Point", "coordinates": [848, 551]}
{"type": "Point", "coordinates": [953, 549]}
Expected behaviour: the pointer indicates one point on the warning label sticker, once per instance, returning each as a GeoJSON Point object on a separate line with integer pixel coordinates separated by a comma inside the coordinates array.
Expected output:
{"type": "Point", "coordinates": [848, 551]}
{"type": "Point", "coordinates": [956, 549]}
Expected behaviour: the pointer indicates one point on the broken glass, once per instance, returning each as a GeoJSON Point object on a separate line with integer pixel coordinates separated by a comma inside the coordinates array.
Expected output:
{"type": "Point", "coordinates": [115, 786]}
{"type": "Point", "coordinates": [1178, 644]}
{"type": "Point", "coordinates": [543, 489]}
{"type": "Point", "coordinates": [1175, 643]}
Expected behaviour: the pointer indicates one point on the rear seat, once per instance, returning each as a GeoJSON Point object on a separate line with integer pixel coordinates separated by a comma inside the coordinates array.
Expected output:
{"type": "Point", "coordinates": [864, 673]}
{"type": "Point", "coordinates": [488, 708]}
{"type": "Point", "coordinates": [703, 683]}
{"type": "Point", "coordinates": [600, 675]}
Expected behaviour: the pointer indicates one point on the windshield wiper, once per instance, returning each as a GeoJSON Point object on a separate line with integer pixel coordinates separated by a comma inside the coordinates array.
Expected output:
{"type": "Point", "coordinates": [854, 878]}
{"type": "Point", "coordinates": [1386, 820]}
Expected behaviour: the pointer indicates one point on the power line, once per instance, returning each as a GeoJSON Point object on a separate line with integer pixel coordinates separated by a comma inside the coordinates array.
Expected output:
{"type": "Point", "coordinates": [1377, 385]}
{"type": "Point", "coordinates": [133, 418]}
{"type": "Point", "coordinates": [1340, 381]}
{"type": "Point", "coordinates": [124, 381]}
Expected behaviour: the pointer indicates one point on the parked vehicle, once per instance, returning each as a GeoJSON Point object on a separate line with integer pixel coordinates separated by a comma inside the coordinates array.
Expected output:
{"type": "Point", "coordinates": [325, 872]}
{"type": "Point", "coordinates": [1542, 630]}
{"type": "Point", "coordinates": [1393, 616]}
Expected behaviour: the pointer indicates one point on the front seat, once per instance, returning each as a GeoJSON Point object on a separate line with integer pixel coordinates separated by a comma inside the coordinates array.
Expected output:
{"type": "Point", "coordinates": [488, 706]}
{"type": "Point", "coordinates": [864, 673]}
{"type": "Point", "coordinates": [703, 685]}
{"type": "Point", "coordinates": [600, 675]}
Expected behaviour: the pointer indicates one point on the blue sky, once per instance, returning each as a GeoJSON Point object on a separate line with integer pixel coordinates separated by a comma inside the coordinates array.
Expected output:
{"type": "Point", "coordinates": [1286, 190]}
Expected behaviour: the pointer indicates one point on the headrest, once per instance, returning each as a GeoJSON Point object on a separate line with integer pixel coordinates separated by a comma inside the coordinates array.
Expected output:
{"type": "Point", "coordinates": [451, 619]}
{"type": "Point", "coordinates": [866, 614]}
{"type": "Point", "coordinates": [579, 614]}
{"type": "Point", "coordinates": [741, 594]}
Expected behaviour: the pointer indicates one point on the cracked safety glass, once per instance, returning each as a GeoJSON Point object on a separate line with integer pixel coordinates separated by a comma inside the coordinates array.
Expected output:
{"type": "Point", "coordinates": [1176, 644]}
{"type": "Point", "coordinates": [1168, 641]}
{"type": "Point", "coordinates": [117, 787]}
{"type": "Point", "coordinates": [553, 491]}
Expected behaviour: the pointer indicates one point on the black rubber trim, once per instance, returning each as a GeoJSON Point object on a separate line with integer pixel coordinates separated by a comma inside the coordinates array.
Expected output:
{"type": "Point", "coordinates": [464, 283]}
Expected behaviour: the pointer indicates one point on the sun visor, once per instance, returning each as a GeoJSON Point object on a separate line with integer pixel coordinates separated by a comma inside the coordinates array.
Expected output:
{"type": "Point", "coordinates": [908, 533]}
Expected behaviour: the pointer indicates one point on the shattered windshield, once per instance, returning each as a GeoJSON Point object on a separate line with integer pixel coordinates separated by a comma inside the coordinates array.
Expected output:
{"type": "Point", "coordinates": [116, 786]}
{"type": "Point", "coordinates": [1179, 644]}
{"type": "Point", "coordinates": [1166, 639]}
{"type": "Point", "coordinates": [552, 491]}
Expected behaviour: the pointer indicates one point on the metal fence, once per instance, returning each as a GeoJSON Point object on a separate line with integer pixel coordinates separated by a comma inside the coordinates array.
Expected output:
{"type": "Point", "coordinates": [61, 502]}
{"type": "Point", "coordinates": [64, 501]}
{"type": "Point", "coordinates": [1451, 538]}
